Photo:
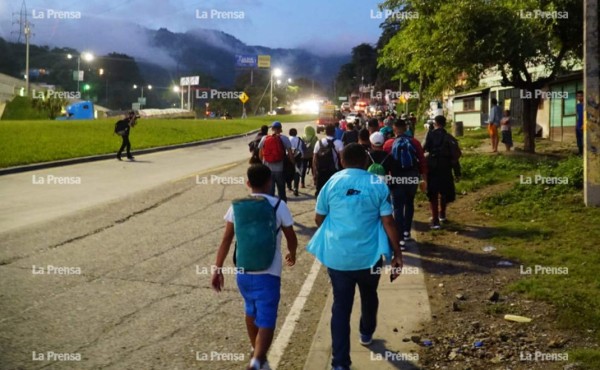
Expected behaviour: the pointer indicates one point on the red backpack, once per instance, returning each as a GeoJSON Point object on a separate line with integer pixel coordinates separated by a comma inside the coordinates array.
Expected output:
{"type": "Point", "coordinates": [273, 150]}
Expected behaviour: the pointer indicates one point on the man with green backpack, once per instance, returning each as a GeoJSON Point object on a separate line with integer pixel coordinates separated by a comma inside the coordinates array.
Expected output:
{"type": "Point", "coordinates": [257, 223]}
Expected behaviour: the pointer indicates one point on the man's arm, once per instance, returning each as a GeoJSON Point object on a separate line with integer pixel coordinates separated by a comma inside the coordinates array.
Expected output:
{"type": "Point", "coordinates": [217, 277]}
{"type": "Point", "coordinates": [319, 219]}
{"type": "Point", "coordinates": [292, 244]}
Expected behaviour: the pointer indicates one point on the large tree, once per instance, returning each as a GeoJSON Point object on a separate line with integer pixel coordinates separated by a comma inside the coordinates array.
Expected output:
{"type": "Point", "coordinates": [450, 38]}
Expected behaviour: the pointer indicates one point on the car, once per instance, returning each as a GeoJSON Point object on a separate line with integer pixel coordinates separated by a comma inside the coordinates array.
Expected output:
{"type": "Point", "coordinates": [350, 117]}
{"type": "Point", "coordinates": [345, 106]}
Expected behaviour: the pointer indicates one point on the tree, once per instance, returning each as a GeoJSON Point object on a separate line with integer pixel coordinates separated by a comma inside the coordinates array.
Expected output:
{"type": "Point", "coordinates": [450, 38]}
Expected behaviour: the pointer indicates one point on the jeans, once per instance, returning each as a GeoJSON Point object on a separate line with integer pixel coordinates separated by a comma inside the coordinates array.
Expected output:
{"type": "Point", "coordinates": [279, 181]}
{"type": "Point", "coordinates": [344, 284]}
{"type": "Point", "coordinates": [579, 136]}
{"type": "Point", "coordinates": [125, 145]}
{"type": "Point", "coordinates": [307, 165]}
{"type": "Point", "coordinates": [403, 200]}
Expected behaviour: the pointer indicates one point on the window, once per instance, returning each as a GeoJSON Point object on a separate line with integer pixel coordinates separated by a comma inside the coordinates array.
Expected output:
{"type": "Point", "coordinates": [468, 104]}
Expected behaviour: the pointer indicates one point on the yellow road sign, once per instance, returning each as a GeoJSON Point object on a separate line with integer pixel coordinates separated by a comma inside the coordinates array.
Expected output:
{"type": "Point", "coordinates": [264, 61]}
{"type": "Point", "coordinates": [244, 98]}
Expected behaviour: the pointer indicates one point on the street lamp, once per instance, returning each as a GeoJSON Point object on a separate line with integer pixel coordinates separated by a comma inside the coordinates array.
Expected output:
{"type": "Point", "coordinates": [142, 91]}
{"type": "Point", "coordinates": [88, 57]}
{"type": "Point", "coordinates": [276, 73]}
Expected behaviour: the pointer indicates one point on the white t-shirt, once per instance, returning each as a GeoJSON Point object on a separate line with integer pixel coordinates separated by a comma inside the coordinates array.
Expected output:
{"type": "Point", "coordinates": [296, 145]}
{"type": "Point", "coordinates": [284, 219]}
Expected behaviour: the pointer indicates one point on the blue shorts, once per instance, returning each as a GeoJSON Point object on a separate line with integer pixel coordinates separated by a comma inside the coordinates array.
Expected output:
{"type": "Point", "coordinates": [261, 294]}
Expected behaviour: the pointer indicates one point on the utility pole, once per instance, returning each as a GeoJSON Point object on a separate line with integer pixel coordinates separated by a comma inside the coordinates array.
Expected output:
{"type": "Point", "coordinates": [591, 116]}
{"type": "Point", "coordinates": [27, 35]}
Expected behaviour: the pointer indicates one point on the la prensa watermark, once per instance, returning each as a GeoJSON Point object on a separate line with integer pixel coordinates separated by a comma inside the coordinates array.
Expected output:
{"type": "Point", "coordinates": [220, 180]}
{"type": "Point", "coordinates": [55, 270]}
{"type": "Point", "coordinates": [393, 14]}
{"type": "Point", "coordinates": [543, 14]}
{"type": "Point", "coordinates": [217, 94]}
{"type": "Point", "coordinates": [394, 356]}
{"type": "Point", "coordinates": [220, 14]}
{"type": "Point", "coordinates": [55, 14]}
{"type": "Point", "coordinates": [55, 180]}
{"type": "Point", "coordinates": [226, 270]}
{"type": "Point", "coordinates": [543, 180]}
{"type": "Point", "coordinates": [543, 270]}
{"type": "Point", "coordinates": [542, 356]}
{"type": "Point", "coordinates": [55, 356]}
{"type": "Point", "coordinates": [220, 356]}
{"type": "Point", "coordinates": [542, 94]}
{"type": "Point", "coordinates": [388, 270]}
{"type": "Point", "coordinates": [56, 94]}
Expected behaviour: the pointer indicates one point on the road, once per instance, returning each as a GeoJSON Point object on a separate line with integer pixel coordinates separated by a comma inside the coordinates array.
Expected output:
{"type": "Point", "coordinates": [114, 272]}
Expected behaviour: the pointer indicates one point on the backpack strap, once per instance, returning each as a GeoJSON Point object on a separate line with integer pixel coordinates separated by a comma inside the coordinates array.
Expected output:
{"type": "Point", "coordinates": [370, 156]}
{"type": "Point", "coordinates": [275, 210]}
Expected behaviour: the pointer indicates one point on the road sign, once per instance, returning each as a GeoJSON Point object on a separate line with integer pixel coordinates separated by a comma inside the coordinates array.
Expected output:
{"type": "Point", "coordinates": [342, 98]}
{"type": "Point", "coordinates": [142, 101]}
{"type": "Point", "coordinates": [190, 80]}
{"type": "Point", "coordinates": [244, 98]}
{"type": "Point", "coordinates": [264, 61]}
{"type": "Point", "coordinates": [246, 61]}
{"type": "Point", "coordinates": [77, 75]}
{"type": "Point", "coordinates": [135, 106]}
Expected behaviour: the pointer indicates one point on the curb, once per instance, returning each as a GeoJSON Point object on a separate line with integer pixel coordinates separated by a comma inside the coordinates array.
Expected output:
{"type": "Point", "coordinates": [100, 157]}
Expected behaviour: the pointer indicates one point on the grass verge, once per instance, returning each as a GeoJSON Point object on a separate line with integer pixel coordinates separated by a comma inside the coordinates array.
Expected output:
{"type": "Point", "coordinates": [26, 142]}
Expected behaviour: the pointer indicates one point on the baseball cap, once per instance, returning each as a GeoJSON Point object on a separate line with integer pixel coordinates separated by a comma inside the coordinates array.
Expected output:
{"type": "Point", "coordinates": [376, 139]}
{"type": "Point", "coordinates": [276, 124]}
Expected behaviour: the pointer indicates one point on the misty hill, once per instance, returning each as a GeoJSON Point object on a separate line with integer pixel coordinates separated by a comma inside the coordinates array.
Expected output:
{"type": "Point", "coordinates": [212, 52]}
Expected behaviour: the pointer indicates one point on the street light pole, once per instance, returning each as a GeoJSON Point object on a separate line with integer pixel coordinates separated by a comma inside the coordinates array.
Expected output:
{"type": "Point", "coordinates": [277, 73]}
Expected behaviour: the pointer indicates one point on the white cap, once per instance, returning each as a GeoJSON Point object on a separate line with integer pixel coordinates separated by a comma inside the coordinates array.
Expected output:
{"type": "Point", "coordinates": [377, 139]}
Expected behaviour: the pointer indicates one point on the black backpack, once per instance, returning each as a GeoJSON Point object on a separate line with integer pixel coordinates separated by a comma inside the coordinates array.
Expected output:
{"type": "Point", "coordinates": [326, 158]}
{"type": "Point", "coordinates": [122, 127]}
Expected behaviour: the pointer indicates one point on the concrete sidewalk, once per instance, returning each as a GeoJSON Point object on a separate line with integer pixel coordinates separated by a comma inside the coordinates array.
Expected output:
{"type": "Point", "coordinates": [403, 306]}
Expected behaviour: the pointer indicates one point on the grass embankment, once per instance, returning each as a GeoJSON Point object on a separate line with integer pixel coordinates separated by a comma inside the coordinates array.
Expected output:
{"type": "Point", "coordinates": [547, 228]}
{"type": "Point", "coordinates": [26, 142]}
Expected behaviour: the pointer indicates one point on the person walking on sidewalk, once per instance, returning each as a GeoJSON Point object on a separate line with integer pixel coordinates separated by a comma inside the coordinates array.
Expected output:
{"type": "Point", "coordinates": [408, 167]}
{"type": "Point", "coordinates": [252, 221]}
{"type": "Point", "coordinates": [122, 129]}
{"type": "Point", "coordinates": [326, 159]}
{"type": "Point", "coordinates": [310, 138]}
{"type": "Point", "coordinates": [442, 161]}
{"type": "Point", "coordinates": [273, 150]}
{"type": "Point", "coordinates": [352, 251]}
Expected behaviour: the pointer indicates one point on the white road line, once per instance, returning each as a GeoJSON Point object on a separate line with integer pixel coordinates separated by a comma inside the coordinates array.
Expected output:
{"type": "Point", "coordinates": [283, 338]}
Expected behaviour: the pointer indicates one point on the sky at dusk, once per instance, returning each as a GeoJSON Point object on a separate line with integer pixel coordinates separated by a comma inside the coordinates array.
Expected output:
{"type": "Point", "coordinates": [324, 27]}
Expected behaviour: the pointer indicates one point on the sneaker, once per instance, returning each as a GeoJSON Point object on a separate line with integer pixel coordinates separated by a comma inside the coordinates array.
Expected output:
{"type": "Point", "coordinates": [132, 158]}
{"type": "Point", "coordinates": [407, 235]}
{"type": "Point", "coordinates": [402, 245]}
{"type": "Point", "coordinates": [296, 192]}
{"type": "Point", "coordinates": [365, 340]}
{"type": "Point", "coordinates": [443, 219]}
{"type": "Point", "coordinates": [340, 368]}
{"type": "Point", "coordinates": [435, 226]}
{"type": "Point", "coordinates": [254, 364]}
{"type": "Point", "coordinates": [265, 366]}
{"type": "Point", "coordinates": [119, 158]}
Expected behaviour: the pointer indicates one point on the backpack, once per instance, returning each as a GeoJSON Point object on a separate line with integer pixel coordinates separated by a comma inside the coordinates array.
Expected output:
{"type": "Point", "coordinates": [377, 168]}
{"type": "Point", "coordinates": [273, 150]}
{"type": "Point", "coordinates": [326, 161]}
{"type": "Point", "coordinates": [121, 127]}
{"type": "Point", "coordinates": [255, 224]}
{"type": "Point", "coordinates": [452, 148]}
{"type": "Point", "coordinates": [253, 147]}
{"type": "Point", "coordinates": [404, 153]}
{"type": "Point", "coordinates": [300, 149]}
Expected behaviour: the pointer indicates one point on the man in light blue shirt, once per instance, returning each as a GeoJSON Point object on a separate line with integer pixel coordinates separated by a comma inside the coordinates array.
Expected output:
{"type": "Point", "coordinates": [356, 228]}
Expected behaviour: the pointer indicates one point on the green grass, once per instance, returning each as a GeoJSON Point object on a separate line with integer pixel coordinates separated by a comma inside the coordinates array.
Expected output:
{"type": "Point", "coordinates": [548, 225]}
{"type": "Point", "coordinates": [25, 142]}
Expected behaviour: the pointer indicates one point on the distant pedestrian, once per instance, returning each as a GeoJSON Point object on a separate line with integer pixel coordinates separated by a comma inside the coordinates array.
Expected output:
{"type": "Point", "coordinates": [579, 122]}
{"type": "Point", "coordinates": [352, 251]}
{"type": "Point", "coordinates": [123, 128]}
{"type": "Point", "coordinates": [298, 150]}
{"type": "Point", "coordinates": [493, 123]}
{"type": "Point", "coordinates": [326, 159]}
{"type": "Point", "coordinates": [506, 130]}
{"type": "Point", "coordinates": [257, 223]}
{"type": "Point", "coordinates": [310, 138]}
{"type": "Point", "coordinates": [350, 135]}
{"type": "Point", "coordinates": [253, 145]}
{"type": "Point", "coordinates": [273, 150]}
{"type": "Point", "coordinates": [338, 131]}
{"type": "Point", "coordinates": [442, 162]}
{"type": "Point", "coordinates": [363, 138]}
{"type": "Point", "coordinates": [373, 125]}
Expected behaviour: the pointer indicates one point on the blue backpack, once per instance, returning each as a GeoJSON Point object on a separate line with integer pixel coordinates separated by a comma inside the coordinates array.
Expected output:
{"type": "Point", "coordinates": [255, 225]}
{"type": "Point", "coordinates": [404, 153]}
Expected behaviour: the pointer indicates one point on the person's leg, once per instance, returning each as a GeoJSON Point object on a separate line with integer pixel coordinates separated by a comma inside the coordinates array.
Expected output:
{"type": "Point", "coordinates": [273, 184]}
{"type": "Point", "coordinates": [267, 292]}
{"type": "Point", "coordinates": [252, 330]}
{"type": "Point", "coordinates": [409, 207]}
{"type": "Point", "coordinates": [443, 204]}
{"type": "Point", "coordinates": [279, 180]}
{"type": "Point", "coordinates": [369, 302]}
{"type": "Point", "coordinates": [399, 203]}
{"type": "Point", "coordinates": [303, 173]}
{"type": "Point", "coordinates": [343, 285]}
{"type": "Point", "coordinates": [433, 205]}
{"type": "Point", "coordinates": [128, 147]}
{"type": "Point", "coordinates": [579, 136]}
{"type": "Point", "coordinates": [123, 145]}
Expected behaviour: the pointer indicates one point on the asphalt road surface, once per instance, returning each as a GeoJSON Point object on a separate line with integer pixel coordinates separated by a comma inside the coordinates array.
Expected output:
{"type": "Point", "coordinates": [114, 272]}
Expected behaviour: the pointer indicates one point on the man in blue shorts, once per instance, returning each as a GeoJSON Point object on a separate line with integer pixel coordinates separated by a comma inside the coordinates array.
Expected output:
{"type": "Point", "coordinates": [352, 251]}
{"type": "Point", "coordinates": [260, 289]}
